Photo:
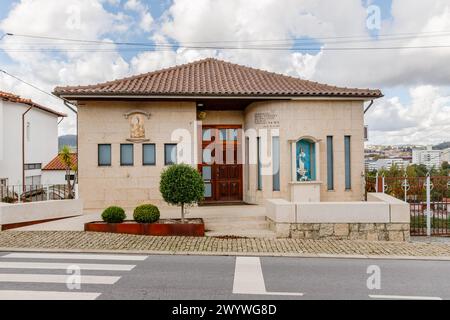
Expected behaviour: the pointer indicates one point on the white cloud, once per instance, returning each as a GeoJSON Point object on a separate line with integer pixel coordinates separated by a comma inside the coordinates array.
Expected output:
{"type": "Point", "coordinates": [78, 19]}
{"type": "Point", "coordinates": [425, 120]}
{"type": "Point", "coordinates": [146, 19]}
{"type": "Point", "coordinates": [424, 71]}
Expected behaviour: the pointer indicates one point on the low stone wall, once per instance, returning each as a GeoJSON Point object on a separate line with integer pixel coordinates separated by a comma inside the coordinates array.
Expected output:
{"type": "Point", "coordinates": [343, 231]}
{"type": "Point", "coordinates": [18, 214]}
{"type": "Point", "coordinates": [383, 218]}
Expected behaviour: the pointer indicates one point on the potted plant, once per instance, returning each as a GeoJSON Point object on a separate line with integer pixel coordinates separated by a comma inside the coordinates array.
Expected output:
{"type": "Point", "coordinates": [111, 216]}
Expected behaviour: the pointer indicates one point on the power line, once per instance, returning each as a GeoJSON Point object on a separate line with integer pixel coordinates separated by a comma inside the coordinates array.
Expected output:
{"type": "Point", "coordinates": [137, 46]}
{"type": "Point", "coordinates": [409, 34]}
{"type": "Point", "coordinates": [66, 102]}
{"type": "Point", "coordinates": [52, 50]}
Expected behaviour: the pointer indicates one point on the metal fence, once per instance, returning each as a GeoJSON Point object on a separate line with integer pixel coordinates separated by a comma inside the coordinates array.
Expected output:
{"type": "Point", "coordinates": [424, 195]}
{"type": "Point", "coordinates": [33, 193]}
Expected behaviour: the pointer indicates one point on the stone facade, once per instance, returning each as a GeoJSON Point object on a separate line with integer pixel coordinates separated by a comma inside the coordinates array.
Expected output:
{"type": "Point", "coordinates": [103, 122]}
{"type": "Point", "coordinates": [343, 231]}
{"type": "Point", "coordinates": [317, 119]}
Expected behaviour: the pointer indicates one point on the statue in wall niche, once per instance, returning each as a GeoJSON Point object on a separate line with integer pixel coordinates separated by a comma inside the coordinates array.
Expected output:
{"type": "Point", "coordinates": [137, 126]}
{"type": "Point", "coordinates": [301, 165]}
{"type": "Point", "coordinates": [305, 157]}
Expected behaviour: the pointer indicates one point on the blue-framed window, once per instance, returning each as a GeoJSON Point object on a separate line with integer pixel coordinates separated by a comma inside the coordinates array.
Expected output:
{"type": "Point", "coordinates": [126, 154]}
{"type": "Point", "coordinates": [330, 163]}
{"type": "Point", "coordinates": [104, 155]}
{"type": "Point", "coordinates": [148, 154]}
{"type": "Point", "coordinates": [276, 163]}
{"type": "Point", "coordinates": [259, 165]}
{"type": "Point", "coordinates": [348, 174]}
{"type": "Point", "coordinates": [170, 154]}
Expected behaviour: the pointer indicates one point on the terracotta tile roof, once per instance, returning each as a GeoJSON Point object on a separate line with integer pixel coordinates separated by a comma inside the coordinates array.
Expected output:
{"type": "Point", "coordinates": [58, 164]}
{"type": "Point", "coordinates": [212, 77]}
{"type": "Point", "coordinates": [15, 98]}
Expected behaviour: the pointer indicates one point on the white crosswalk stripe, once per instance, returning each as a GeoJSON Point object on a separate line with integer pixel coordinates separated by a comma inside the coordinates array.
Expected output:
{"type": "Point", "coordinates": [65, 266]}
{"type": "Point", "coordinates": [46, 295]}
{"type": "Point", "coordinates": [75, 256]}
{"type": "Point", "coordinates": [55, 278]}
{"type": "Point", "coordinates": [249, 279]}
{"type": "Point", "coordinates": [35, 282]}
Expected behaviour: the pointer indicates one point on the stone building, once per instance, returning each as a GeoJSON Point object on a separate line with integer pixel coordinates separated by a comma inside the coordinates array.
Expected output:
{"type": "Point", "coordinates": [253, 134]}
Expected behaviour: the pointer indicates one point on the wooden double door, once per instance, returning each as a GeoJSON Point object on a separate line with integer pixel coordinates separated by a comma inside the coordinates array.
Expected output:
{"type": "Point", "coordinates": [221, 163]}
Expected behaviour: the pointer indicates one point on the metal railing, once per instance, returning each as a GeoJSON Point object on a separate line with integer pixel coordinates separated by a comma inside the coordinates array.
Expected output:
{"type": "Point", "coordinates": [428, 197]}
{"type": "Point", "coordinates": [33, 193]}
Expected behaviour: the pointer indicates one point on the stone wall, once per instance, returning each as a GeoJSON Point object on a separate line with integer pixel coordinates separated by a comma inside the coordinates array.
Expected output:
{"type": "Point", "coordinates": [343, 231]}
{"type": "Point", "coordinates": [384, 218]}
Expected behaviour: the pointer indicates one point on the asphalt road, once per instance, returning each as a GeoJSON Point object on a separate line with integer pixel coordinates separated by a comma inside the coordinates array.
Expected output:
{"type": "Point", "coordinates": [58, 276]}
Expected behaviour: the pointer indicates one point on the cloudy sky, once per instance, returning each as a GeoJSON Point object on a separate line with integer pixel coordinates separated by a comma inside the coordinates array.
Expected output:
{"type": "Point", "coordinates": [316, 37]}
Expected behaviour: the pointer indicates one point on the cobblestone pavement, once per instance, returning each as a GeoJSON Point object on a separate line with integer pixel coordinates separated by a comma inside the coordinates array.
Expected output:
{"type": "Point", "coordinates": [91, 241]}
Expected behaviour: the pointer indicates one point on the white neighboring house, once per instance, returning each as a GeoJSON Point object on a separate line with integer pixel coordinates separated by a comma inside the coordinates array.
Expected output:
{"type": "Point", "coordinates": [54, 173]}
{"type": "Point", "coordinates": [40, 139]}
{"type": "Point", "coordinates": [429, 157]}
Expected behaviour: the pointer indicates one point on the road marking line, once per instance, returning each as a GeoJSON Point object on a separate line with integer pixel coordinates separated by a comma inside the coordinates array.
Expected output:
{"type": "Point", "coordinates": [55, 278]}
{"type": "Point", "coordinates": [46, 295]}
{"type": "Point", "coordinates": [249, 279]}
{"type": "Point", "coordinates": [64, 266]}
{"type": "Point", "coordinates": [380, 296]}
{"type": "Point", "coordinates": [27, 255]}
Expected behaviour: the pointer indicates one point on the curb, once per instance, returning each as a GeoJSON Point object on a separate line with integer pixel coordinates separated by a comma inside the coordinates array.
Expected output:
{"type": "Point", "coordinates": [251, 254]}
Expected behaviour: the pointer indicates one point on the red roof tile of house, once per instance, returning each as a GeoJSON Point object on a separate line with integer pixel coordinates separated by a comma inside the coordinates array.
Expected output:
{"type": "Point", "coordinates": [212, 77]}
{"type": "Point", "coordinates": [58, 164]}
{"type": "Point", "coordinates": [15, 98]}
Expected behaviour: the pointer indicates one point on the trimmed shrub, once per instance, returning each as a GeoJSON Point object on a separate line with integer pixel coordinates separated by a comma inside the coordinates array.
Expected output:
{"type": "Point", "coordinates": [146, 213]}
{"type": "Point", "coordinates": [114, 215]}
{"type": "Point", "coordinates": [181, 185]}
{"type": "Point", "coordinates": [9, 199]}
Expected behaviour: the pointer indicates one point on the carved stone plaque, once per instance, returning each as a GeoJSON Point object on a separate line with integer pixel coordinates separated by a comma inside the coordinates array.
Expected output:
{"type": "Point", "coordinates": [267, 119]}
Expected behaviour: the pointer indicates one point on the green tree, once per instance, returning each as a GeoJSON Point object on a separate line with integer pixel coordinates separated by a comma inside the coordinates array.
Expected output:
{"type": "Point", "coordinates": [181, 185]}
{"type": "Point", "coordinates": [66, 157]}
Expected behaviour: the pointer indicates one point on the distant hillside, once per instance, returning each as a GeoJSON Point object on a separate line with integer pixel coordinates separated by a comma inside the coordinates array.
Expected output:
{"type": "Point", "coordinates": [67, 140]}
{"type": "Point", "coordinates": [443, 145]}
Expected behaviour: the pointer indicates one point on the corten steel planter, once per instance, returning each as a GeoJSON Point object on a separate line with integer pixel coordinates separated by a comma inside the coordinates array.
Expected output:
{"type": "Point", "coordinates": [160, 228]}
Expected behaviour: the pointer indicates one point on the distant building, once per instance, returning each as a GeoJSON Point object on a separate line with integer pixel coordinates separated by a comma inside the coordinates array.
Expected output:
{"type": "Point", "coordinates": [55, 171]}
{"type": "Point", "coordinates": [445, 156]}
{"type": "Point", "coordinates": [386, 164]}
{"type": "Point", "coordinates": [39, 138]}
{"type": "Point", "coordinates": [428, 157]}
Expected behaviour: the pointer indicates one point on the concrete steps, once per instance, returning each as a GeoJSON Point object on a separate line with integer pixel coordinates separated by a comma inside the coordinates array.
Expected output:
{"type": "Point", "coordinates": [245, 227]}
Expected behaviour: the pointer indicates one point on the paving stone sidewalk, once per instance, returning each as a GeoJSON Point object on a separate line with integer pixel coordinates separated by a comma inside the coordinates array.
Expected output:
{"type": "Point", "coordinates": [91, 241]}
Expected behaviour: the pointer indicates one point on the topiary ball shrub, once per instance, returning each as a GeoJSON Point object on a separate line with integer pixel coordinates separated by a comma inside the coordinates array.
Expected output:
{"type": "Point", "coordinates": [181, 185]}
{"type": "Point", "coordinates": [146, 213]}
{"type": "Point", "coordinates": [114, 215]}
{"type": "Point", "coordinates": [9, 199]}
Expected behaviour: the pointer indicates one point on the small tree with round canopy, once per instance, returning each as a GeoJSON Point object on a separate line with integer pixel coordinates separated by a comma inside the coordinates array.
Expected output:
{"type": "Point", "coordinates": [181, 185]}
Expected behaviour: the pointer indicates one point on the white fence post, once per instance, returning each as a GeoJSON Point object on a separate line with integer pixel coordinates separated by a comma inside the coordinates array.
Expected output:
{"type": "Point", "coordinates": [76, 191]}
{"type": "Point", "coordinates": [428, 187]}
{"type": "Point", "coordinates": [376, 182]}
